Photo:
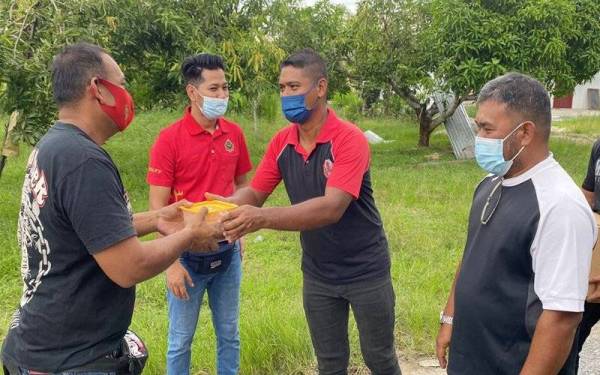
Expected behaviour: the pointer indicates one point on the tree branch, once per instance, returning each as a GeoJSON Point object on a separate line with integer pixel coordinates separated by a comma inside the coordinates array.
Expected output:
{"type": "Point", "coordinates": [449, 112]}
{"type": "Point", "coordinates": [407, 95]}
{"type": "Point", "coordinates": [34, 5]}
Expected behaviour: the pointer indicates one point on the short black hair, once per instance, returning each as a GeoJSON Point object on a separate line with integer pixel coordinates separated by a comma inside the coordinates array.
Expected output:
{"type": "Point", "coordinates": [521, 94]}
{"type": "Point", "coordinates": [73, 68]}
{"type": "Point", "coordinates": [309, 60]}
{"type": "Point", "coordinates": [192, 66]}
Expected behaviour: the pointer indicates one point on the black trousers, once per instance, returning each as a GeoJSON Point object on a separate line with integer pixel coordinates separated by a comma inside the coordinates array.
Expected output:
{"type": "Point", "coordinates": [327, 309]}
{"type": "Point", "coordinates": [591, 315]}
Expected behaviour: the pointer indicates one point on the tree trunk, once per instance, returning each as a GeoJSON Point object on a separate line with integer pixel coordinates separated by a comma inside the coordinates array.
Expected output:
{"type": "Point", "coordinates": [2, 163]}
{"type": "Point", "coordinates": [425, 126]}
{"type": "Point", "coordinates": [424, 135]}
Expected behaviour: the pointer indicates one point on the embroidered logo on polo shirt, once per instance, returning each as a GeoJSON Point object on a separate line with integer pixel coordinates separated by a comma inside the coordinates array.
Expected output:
{"type": "Point", "coordinates": [229, 145]}
{"type": "Point", "coordinates": [327, 168]}
{"type": "Point", "coordinates": [177, 194]}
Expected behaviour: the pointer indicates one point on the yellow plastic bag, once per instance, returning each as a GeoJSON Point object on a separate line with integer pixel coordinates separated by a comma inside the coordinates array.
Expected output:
{"type": "Point", "coordinates": [215, 208]}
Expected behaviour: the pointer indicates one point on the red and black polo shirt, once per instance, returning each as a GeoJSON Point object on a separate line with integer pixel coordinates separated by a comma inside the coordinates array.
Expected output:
{"type": "Point", "coordinates": [191, 161]}
{"type": "Point", "coordinates": [355, 248]}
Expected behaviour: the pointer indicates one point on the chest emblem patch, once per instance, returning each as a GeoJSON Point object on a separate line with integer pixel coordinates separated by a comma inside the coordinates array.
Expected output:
{"type": "Point", "coordinates": [229, 147]}
{"type": "Point", "coordinates": [327, 168]}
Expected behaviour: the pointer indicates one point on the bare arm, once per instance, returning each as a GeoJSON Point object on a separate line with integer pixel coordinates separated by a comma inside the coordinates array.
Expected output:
{"type": "Point", "coordinates": [552, 342]}
{"type": "Point", "coordinates": [241, 181]}
{"type": "Point", "coordinates": [445, 331]}
{"type": "Point", "coordinates": [145, 222]}
{"type": "Point", "coordinates": [159, 197]}
{"type": "Point", "coordinates": [244, 196]}
{"type": "Point", "coordinates": [589, 196]}
{"type": "Point", "coordinates": [311, 214]}
{"type": "Point", "coordinates": [131, 261]}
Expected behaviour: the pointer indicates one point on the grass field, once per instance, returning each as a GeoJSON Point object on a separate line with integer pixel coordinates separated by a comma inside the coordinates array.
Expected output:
{"type": "Point", "coordinates": [423, 195]}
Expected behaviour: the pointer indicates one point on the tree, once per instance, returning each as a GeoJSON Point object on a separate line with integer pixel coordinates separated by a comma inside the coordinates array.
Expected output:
{"type": "Point", "coordinates": [322, 27]}
{"type": "Point", "coordinates": [253, 64]}
{"type": "Point", "coordinates": [149, 39]}
{"type": "Point", "coordinates": [421, 47]}
{"type": "Point", "coordinates": [33, 31]}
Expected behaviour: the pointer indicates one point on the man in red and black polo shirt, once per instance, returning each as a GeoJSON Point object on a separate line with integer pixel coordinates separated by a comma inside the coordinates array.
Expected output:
{"type": "Point", "coordinates": [324, 164]}
{"type": "Point", "coordinates": [201, 152]}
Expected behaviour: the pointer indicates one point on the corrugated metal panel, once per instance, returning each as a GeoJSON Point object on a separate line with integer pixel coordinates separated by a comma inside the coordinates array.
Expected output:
{"type": "Point", "coordinates": [458, 127]}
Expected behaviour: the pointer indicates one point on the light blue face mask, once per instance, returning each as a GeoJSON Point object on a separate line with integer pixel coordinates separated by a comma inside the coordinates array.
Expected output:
{"type": "Point", "coordinates": [489, 153]}
{"type": "Point", "coordinates": [213, 108]}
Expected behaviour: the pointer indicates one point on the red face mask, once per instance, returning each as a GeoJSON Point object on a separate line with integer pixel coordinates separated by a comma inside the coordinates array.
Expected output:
{"type": "Point", "coordinates": [123, 111]}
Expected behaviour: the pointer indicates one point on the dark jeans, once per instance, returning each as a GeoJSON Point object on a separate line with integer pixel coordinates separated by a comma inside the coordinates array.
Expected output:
{"type": "Point", "coordinates": [327, 308]}
{"type": "Point", "coordinates": [21, 371]}
{"type": "Point", "coordinates": [591, 315]}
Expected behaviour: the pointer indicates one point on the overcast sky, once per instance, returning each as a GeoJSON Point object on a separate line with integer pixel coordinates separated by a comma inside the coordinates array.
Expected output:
{"type": "Point", "coordinates": [350, 4]}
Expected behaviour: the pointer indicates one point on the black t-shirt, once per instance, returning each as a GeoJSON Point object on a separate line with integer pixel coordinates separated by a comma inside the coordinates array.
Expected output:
{"type": "Point", "coordinates": [73, 205]}
{"type": "Point", "coordinates": [592, 179]}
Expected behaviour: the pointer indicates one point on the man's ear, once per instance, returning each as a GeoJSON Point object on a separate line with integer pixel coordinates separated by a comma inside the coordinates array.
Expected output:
{"type": "Point", "coordinates": [93, 89]}
{"type": "Point", "coordinates": [191, 92]}
{"type": "Point", "coordinates": [322, 87]}
{"type": "Point", "coordinates": [530, 131]}
{"type": "Point", "coordinates": [100, 92]}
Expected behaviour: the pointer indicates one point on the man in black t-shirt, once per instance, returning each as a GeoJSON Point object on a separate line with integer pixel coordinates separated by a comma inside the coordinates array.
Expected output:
{"type": "Point", "coordinates": [519, 291]}
{"type": "Point", "coordinates": [591, 190]}
{"type": "Point", "coordinates": [81, 255]}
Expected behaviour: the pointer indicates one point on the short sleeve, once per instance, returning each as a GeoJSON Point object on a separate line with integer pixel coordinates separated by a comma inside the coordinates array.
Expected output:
{"type": "Point", "coordinates": [93, 199]}
{"type": "Point", "coordinates": [244, 164]}
{"type": "Point", "coordinates": [590, 178]}
{"type": "Point", "coordinates": [267, 175]}
{"type": "Point", "coordinates": [351, 162]}
{"type": "Point", "coordinates": [562, 254]}
{"type": "Point", "coordinates": [161, 163]}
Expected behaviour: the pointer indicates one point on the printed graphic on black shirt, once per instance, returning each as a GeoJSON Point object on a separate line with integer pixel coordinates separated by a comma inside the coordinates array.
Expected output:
{"type": "Point", "coordinates": [597, 174]}
{"type": "Point", "coordinates": [31, 233]}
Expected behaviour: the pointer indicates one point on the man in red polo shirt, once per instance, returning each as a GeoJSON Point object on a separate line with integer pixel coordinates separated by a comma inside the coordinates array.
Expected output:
{"type": "Point", "coordinates": [324, 164]}
{"type": "Point", "coordinates": [201, 152]}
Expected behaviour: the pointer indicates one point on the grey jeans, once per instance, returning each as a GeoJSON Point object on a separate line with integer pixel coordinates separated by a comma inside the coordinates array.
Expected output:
{"type": "Point", "coordinates": [327, 308]}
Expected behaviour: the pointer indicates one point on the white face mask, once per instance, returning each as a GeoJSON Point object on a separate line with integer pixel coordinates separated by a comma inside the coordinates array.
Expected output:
{"type": "Point", "coordinates": [213, 108]}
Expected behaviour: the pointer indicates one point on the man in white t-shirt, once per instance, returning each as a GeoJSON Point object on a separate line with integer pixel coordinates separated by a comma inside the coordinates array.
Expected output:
{"type": "Point", "coordinates": [520, 289]}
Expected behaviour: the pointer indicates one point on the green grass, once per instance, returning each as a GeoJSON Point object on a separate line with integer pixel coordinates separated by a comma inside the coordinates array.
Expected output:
{"type": "Point", "coordinates": [424, 205]}
{"type": "Point", "coordinates": [587, 126]}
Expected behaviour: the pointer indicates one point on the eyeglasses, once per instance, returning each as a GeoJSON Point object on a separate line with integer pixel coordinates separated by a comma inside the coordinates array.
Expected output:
{"type": "Point", "coordinates": [492, 202]}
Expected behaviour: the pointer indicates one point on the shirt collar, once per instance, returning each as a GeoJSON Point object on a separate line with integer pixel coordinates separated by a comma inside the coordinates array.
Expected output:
{"type": "Point", "coordinates": [325, 134]}
{"type": "Point", "coordinates": [543, 165]}
{"type": "Point", "coordinates": [194, 128]}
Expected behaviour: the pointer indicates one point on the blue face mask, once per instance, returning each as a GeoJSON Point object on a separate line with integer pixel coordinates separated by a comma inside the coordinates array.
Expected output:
{"type": "Point", "coordinates": [213, 108]}
{"type": "Point", "coordinates": [489, 153]}
{"type": "Point", "coordinates": [294, 107]}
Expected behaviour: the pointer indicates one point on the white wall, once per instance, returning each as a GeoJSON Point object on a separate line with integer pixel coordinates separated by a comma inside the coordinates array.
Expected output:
{"type": "Point", "coordinates": [580, 95]}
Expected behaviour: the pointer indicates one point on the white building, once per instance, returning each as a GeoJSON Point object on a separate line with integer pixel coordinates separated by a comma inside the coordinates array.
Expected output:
{"type": "Point", "coordinates": [585, 96]}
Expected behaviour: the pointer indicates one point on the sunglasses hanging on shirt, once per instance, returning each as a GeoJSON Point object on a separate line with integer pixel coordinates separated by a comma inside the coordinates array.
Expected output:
{"type": "Point", "coordinates": [492, 202]}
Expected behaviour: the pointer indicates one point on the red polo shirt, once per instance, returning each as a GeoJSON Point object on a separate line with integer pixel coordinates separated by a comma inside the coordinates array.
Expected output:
{"type": "Point", "coordinates": [345, 164]}
{"type": "Point", "coordinates": [191, 161]}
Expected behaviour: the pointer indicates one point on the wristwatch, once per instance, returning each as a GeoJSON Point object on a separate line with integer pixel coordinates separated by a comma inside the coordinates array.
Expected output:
{"type": "Point", "coordinates": [445, 319]}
